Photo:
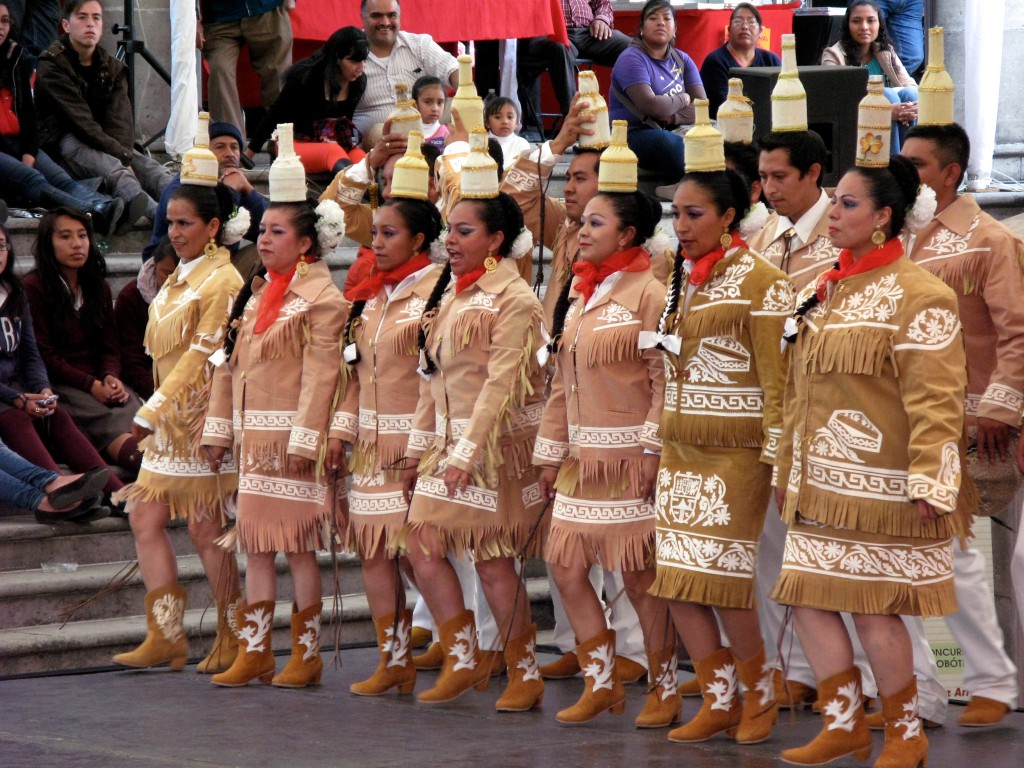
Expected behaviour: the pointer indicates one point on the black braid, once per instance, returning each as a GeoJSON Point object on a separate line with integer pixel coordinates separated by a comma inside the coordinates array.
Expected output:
{"type": "Point", "coordinates": [561, 310]}
{"type": "Point", "coordinates": [806, 306]}
{"type": "Point", "coordinates": [674, 289]}
{"type": "Point", "coordinates": [237, 309]}
{"type": "Point", "coordinates": [435, 298]}
{"type": "Point", "coordinates": [346, 336]}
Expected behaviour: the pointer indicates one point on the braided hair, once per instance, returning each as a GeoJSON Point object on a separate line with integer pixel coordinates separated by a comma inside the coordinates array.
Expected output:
{"type": "Point", "coordinates": [421, 218]}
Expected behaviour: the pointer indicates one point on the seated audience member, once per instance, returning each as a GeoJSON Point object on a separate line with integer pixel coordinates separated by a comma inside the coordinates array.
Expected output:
{"type": "Point", "coordinates": [26, 172]}
{"type": "Point", "coordinates": [31, 422]}
{"type": "Point", "coordinates": [905, 20]}
{"type": "Point", "coordinates": [395, 57]}
{"type": "Point", "coordinates": [501, 119]}
{"type": "Point", "coordinates": [73, 318]}
{"type": "Point", "coordinates": [52, 496]}
{"type": "Point", "coordinates": [264, 27]}
{"type": "Point", "coordinates": [131, 313]}
{"type": "Point", "coordinates": [319, 97]}
{"type": "Point", "coordinates": [85, 117]}
{"type": "Point", "coordinates": [37, 22]}
{"type": "Point", "coordinates": [865, 43]}
{"type": "Point", "coordinates": [653, 88]}
{"type": "Point", "coordinates": [429, 94]}
{"type": "Point", "coordinates": [589, 25]}
{"type": "Point", "coordinates": [225, 143]}
{"type": "Point", "coordinates": [740, 50]}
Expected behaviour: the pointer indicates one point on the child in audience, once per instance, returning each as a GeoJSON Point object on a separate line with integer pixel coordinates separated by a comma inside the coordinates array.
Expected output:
{"type": "Point", "coordinates": [501, 118]}
{"type": "Point", "coordinates": [429, 94]}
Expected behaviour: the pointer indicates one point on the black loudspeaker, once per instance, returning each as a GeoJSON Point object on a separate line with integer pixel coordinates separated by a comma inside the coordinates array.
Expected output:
{"type": "Point", "coordinates": [833, 94]}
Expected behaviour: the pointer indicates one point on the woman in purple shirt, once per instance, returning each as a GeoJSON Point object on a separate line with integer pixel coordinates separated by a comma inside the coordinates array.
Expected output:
{"type": "Point", "coordinates": [653, 88]}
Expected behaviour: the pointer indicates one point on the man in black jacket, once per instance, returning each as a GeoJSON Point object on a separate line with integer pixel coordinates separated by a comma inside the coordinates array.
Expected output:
{"type": "Point", "coordinates": [85, 117]}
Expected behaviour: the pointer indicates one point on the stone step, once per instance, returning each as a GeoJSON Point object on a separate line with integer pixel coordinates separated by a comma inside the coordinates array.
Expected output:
{"type": "Point", "coordinates": [34, 597]}
{"type": "Point", "coordinates": [88, 645]}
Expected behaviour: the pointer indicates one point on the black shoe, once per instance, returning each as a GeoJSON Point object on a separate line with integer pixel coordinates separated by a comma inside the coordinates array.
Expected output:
{"type": "Point", "coordinates": [246, 162]}
{"type": "Point", "coordinates": [91, 511]}
{"type": "Point", "coordinates": [134, 211]}
{"type": "Point", "coordinates": [105, 216]}
{"type": "Point", "coordinates": [87, 486]}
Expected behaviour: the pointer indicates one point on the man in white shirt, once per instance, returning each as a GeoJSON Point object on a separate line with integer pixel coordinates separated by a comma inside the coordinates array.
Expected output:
{"type": "Point", "coordinates": [395, 57]}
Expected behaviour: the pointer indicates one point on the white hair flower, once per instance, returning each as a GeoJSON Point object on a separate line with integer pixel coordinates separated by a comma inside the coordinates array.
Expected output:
{"type": "Point", "coordinates": [923, 209]}
{"type": "Point", "coordinates": [330, 226]}
{"type": "Point", "coordinates": [754, 221]}
{"type": "Point", "coordinates": [236, 226]}
{"type": "Point", "coordinates": [522, 245]}
{"type": "Point", "coordinates": [438, 252]}
{"type": "Point", "coordinates": [658, 243]}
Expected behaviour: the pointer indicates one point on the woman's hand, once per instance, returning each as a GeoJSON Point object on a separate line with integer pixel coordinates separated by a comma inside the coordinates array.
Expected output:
{"type": "Point", "coordinates": [993, 439]}
{"type": "Point", "coordinates": [335, 454]}
{"type": "Point", "coordinates": [118, 394]}
{"type": "Point", "coordinates": [300, 465]}
{"type": "Point", "coordinates": [546, 480]}
{"type": "Point", "coordinates": [140, 433]}
{"type": "Point", "coordinates": [926, 511]}
{"type": "Point", "coordinates": [574, 126]}
{"type": "Point", "coordinates": [214, 455]}
{"type": "Point", "coordinates": [649, 475]}
{"type": "Point", "coordinates": [904, 112]}
{"type": "Point", "coordinates": [409, 475]}
{"type": "Point", "coordinates": [34, 408]}
{"type": "Point", "coordinates": [780, 498]}
{"type": "Point", "coordinates": [387, 145]}
{"type": "Point", "coordinates": [456, 480]}
{"type": "Point", "coordinates": [457, 131]}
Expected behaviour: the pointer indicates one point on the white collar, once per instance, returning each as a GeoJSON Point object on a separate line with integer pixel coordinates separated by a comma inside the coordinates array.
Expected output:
{"type": "Point", "coordinates": [408, 281]}
{"type": "Point", "coordinates": [806, 224]}
{"type": "Point", "coordinates": [603, 289]}
{"type": "Point", "coordinates": [184, 267]}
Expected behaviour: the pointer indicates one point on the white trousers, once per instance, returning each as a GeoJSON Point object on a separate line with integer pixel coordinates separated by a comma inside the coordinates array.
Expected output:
{"type": "Point", "coordinates": [473, 597]}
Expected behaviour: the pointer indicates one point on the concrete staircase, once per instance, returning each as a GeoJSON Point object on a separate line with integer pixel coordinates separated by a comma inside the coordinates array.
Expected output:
{"type": "Point", "coordinates": [45, 570]}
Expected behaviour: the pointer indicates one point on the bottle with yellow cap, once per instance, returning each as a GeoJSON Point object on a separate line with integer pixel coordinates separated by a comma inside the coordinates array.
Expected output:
{"type": "Point", "coordinates": [935, 95]}
{"type": "Point", "coordinates": [405, 117]}
{"type": "Point", "coordinates": [590, 92]}
{"type": "Point", "coordinates": [467, 101]}
{"type": "Point", "coordinates": [736, 116]}
{"type": "Point", "coordinates": [874, 126]}
{"type": "Point", "coordinates": [617, 171]}
{"type": "Point", "coordinates": [789, 99]}
{"type": "Point", "coordinates": [412, 174]}
{"type": "Point", "coordinates": [703, 143]}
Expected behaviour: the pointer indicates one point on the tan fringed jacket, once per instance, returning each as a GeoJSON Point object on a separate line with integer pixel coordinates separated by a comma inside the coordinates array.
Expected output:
{"type": "Point", "coordinates": [607, 393]}
{"type": "Point", "coordinates": [983, 262]}
{"type": "Point", "coordinates": [725, 388]}
{"type": "Point", "coordinates": [803, 264]}
{"type": "Point", "coordinates": [275, 395]}
{"type": "Point", "coordinates": [484, 403]}
{"type": "Point", "coordinates": [380, 394]}
{"type": "Point", "coordinates": [347, 189]}
{"type": "Point", "coordinates": [874, 407]}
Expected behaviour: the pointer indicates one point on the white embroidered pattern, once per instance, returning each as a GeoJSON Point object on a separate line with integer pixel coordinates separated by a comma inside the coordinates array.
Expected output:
{"type": "Point", "coordinates": [531, 670]}
{"type": "Point", "coordinates": [614, 511]}
{"type": "Point", "coordinates": [723, 686]}
{"type": "Point", "coordinates": [601, 668]}
{"type": "Point", "coordinates": [766, 685]}
{"type": "Point", "coordinates": [876, 303]}
{"type": "Point", "coordinates": [706, 554]}
{"type": "Point", "coordinates": [727, 285]}
{"type": "Point", "coordinates": [691, 499]}
{"type": "Point", "coordinates": [464, 649]}
{"type": "Point", "coordinates": [220, 428]}
{"type": "Point", "coordinates": [1003, 396]}
{"type": "Point", "coordinates": [301, 437]}
{"type": "Point", "coordinates": [667, 675]}
{"type": "Point", "coordinates": [419, 441]}
{"type": "Point", "coordinates": [779, 298]}
{"type": "Point", "coordinates": [371, 504]}
{"type": "Point", "coordinates": [413, 308]}
{"type": "Point", "coordinates": [697, 400]}
{"type": "Point", "coordinates": [910, 722]}
{"type": "Point", "coordinates": [550, 450]}
{"type": "Point", "coordinates": [169, 612]}
{"type": "Point", "coordinates": [396, 646]}
{"type": "Point", "coordinates": [343, 422]}
{"type": "Point", "coordinates": [256, 629]}
{"type": "Point", "coordinates": [845, 431]}
{"type": "Point", "coordinates": [614, 315]}
{"type": "Point", "coordinates": [311, 638]}
{"type": "Point", "coordinates": [604, 437]}
{"type": "Point", "coordinates": [932, 327]}
{"type": "Point", "coordinates": [716, 358]}
{"type": "Point", "coordinates": [842, 711]}
{"type": "Point", "coordinates": [902, 563]}
{"type": "Point", "coordinates": [947, 243]}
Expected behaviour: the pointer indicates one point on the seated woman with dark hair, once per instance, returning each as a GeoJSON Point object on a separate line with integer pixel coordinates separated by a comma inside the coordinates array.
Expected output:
{"type": "Point", "coordinates": [319, 97]}
{"type": "Point", "coordinates": [740, 50]}
{"type": "Point", "coordinates": [73, 317]}
{"type": "Point", "coordinates": [653, 88]}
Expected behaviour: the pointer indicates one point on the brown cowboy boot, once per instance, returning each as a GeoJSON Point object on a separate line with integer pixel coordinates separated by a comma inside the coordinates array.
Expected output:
{"type": "Point", "coordinates": [603, 690]}
{"type": "Point", "coordinates": [165, 641]}
{"type": "Point", "coordinates": [906, 746]}
{"type": "Point", "coordinates": [225, 644]}
{"type": "Point", "coordinates": [305, 665]}
{"type": "Point", "coordinates": [759, 706]}
{"type": "Point", "coordinates": [395, 668]}
{"type": "Point", "coordinates": [525, 688]}
{"type": "Point", "coordinates": [843, 731]}
{"type": "Point", "coordinates": [664, 705]}
{"type": "Point", "coordinates": [720, 710]}
{"type": "Point", "coordinates": [461, 669]}
{"type": "Point", "coordinates": [255, 657]}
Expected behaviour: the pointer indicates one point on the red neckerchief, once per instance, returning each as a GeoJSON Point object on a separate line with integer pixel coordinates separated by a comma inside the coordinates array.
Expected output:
{"type": "Point", "coordinates": [848, 266]}
{"type": "Point", "coordinates": [592, 275]}
{"type": "Point", "coordinates": [272, 298]}
{"type": "Point", "coordinates": [702, 267]}
{"type": "Point", "coordinates": [469, 278]}
{"type": "Point", "coordinates": [373, 284]}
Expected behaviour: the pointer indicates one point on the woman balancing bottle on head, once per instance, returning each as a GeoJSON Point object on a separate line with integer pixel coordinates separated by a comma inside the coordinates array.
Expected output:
{"type": "Point", "coordinates": [600, 461]}
{"type": "Point", "coordinates": [271, 401]}
{"type": "Point", "coordinates": [375, 415]}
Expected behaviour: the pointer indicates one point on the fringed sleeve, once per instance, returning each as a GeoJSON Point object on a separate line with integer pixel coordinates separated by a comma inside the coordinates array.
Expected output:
{"type": "Point", "coordinates": [1003, 293]}
{"type": "Point", "coordinates": [552, 445]}
{"type": "Point", "coordinates": [932, 374]}
{"type": "Point", "coordinates": [652, 304]}
{"type": "Point", "coordinates": [768, 316]}
{"type": "Point", "coordinates": [424, 422]}
{"type": "Point", "coordinates": [191, 371]}
{"type": "Point", "coordinates": [321, 367]}
{"type": "Point", "coordinates": [514, 336]}
{"type": "Point", "coordinates": [218, 429]}
{"type": "Point", "coordinates": [347, 188]}
{"type": "Point", "coordinates": [523, 182]}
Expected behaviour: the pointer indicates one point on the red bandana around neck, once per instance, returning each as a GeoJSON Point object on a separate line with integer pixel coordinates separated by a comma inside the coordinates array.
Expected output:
{"type": "Point", "coordinates": [374, 284]}
{"type": "Point", "coordinates": [702, 267]}
{"type": "Point", "coordinates": [272, 298]}
{"type": "Point", "coordinates": [592, 275]}
{"type": "Point", "coordinates": [471, 277]}
{"type": "Point", "coordinates": [848, 266]}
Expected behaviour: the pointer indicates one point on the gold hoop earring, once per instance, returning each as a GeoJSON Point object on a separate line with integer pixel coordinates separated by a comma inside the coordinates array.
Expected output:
{"type": "Point", "coordinates": [490, 263]}
{"type": "Point", "coordinates": [210, 249]}
{"type": "Point", "coordinates": [302, 266]}
{"type": "Point", "coordinates": [726, 239]}
{"type": "Point", "coordinates": [878, 238]}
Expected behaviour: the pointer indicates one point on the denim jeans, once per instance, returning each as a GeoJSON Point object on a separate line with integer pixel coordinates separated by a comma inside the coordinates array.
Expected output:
{"type": "Point", "coordinates": [905, 20]}
{"type": "Point", "coordinates": [659, 151]}
{"type": "Point", "coordinates": [46, 185]}
{"type": "Point", "coordinates": [899, 130]}
{"type": "Point", "coordinates": [21, 482]}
